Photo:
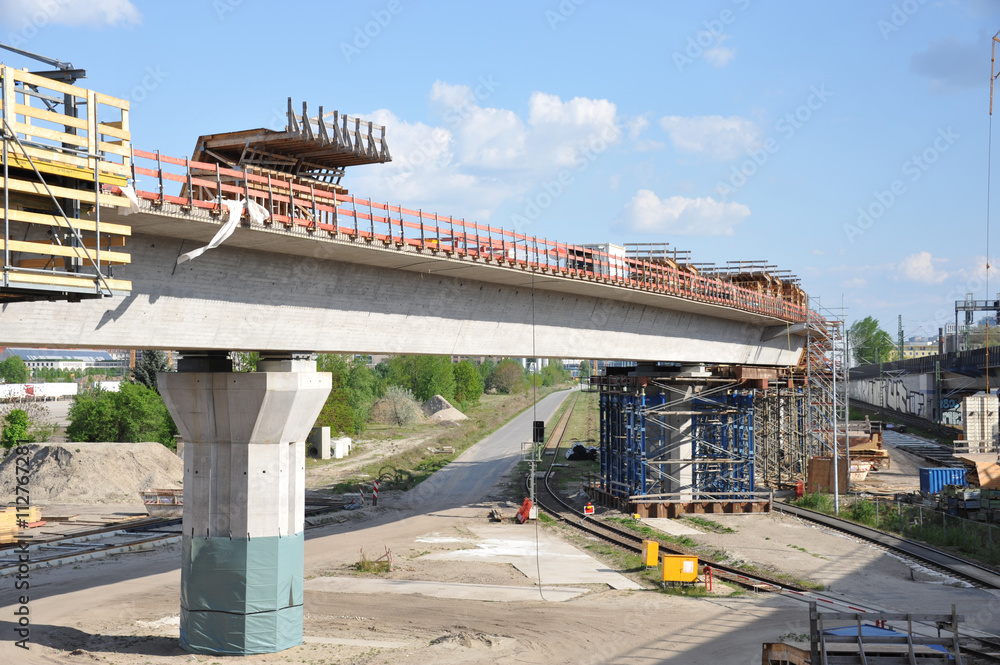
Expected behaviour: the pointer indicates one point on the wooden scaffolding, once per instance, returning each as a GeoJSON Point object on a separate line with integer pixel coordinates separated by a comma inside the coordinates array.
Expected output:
{"type": "Point", "coordinates": [64, 149]}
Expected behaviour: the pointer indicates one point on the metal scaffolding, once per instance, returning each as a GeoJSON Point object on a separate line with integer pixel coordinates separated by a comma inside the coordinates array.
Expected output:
{"type": "Point", "coordinates": [779, 423]}
{"type": "Point", "coordinates": [723, 436]}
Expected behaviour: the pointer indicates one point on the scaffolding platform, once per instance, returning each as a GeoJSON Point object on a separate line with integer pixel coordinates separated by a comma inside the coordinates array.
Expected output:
{"type": "Point", "coordinates": [64, 148]}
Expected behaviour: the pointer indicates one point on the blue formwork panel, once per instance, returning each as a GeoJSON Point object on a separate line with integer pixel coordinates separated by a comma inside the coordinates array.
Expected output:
{"type": "Point", "coordinates": [933, 480]}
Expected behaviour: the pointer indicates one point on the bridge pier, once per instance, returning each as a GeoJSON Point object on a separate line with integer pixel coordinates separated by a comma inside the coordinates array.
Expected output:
{"type": "Point", "coordinates": [244, 490]}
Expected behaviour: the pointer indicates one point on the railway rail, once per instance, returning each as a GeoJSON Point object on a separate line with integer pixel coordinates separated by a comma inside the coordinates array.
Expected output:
{"type": "Point", "coordinates": [928, 556]}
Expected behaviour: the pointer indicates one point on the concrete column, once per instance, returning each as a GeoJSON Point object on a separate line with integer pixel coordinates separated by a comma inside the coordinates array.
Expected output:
{"type": "Point", "coordinates": [244, 500]}
{"type": "Point", "coordinates": [679, 442]}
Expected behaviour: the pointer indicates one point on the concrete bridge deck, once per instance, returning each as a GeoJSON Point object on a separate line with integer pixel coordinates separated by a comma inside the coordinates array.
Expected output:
{"type": "Point", "coordinates": [343, 274]}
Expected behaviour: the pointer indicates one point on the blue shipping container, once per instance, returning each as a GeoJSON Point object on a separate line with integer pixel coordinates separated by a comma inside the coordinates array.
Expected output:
{"type": "Point", "coordinates": [933, 480]}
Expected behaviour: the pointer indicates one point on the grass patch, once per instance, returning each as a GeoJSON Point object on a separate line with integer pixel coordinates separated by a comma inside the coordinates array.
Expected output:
{"type": "Point", "coordinates": [650, 532]}
{"type": "Point", "coordinates": [708, 525]}
{"type": "Point", "coordinates": [366, 565]}
{"type": "Point", "coordinates": [545, 518]}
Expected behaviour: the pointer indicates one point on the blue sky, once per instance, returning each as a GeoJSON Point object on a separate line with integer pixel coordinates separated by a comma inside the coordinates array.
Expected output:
{"type": "Point", "coordinates": [844, 141]}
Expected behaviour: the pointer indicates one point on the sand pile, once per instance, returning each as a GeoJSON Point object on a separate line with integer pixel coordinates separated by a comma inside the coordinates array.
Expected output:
{"type": "Point", "coordinates": [438, 409]}
{"type": "Point", "coordinates": [93, 472]}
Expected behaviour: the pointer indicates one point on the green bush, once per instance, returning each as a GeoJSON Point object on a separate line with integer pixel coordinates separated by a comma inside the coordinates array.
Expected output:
{"type": "Point", "coordinates": [15, 428]}
{"type": "Point", "coordinates": [134, 413]}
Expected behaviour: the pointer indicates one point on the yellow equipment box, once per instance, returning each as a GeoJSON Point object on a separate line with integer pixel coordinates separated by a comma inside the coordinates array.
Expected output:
{"type": "Point", "coordinates": [650, 553]}
{"type": "Point", "coordinates": [678, 568]}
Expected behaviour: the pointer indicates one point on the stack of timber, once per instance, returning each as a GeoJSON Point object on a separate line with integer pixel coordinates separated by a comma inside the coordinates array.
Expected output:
{"type": "Point", "coordinates": [65, 150]}
{"type": "Point", "coordinates": [867, 447]}
{"type": "Point", "coordinates": [8, 526]}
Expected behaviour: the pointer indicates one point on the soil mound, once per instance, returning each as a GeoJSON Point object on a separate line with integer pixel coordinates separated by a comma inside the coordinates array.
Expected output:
{"type": "Point", "coordinates": [92, 472]}
{"type": "Point", "coordinates": [438, 409]}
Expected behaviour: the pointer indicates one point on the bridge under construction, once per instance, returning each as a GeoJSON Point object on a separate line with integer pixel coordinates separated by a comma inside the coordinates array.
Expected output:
{"type": "Point", "coordinates": [253, 244]}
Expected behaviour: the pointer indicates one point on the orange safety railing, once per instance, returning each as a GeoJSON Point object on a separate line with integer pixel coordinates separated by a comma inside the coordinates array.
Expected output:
{"type": "Point", "coordinates": [315, 208]}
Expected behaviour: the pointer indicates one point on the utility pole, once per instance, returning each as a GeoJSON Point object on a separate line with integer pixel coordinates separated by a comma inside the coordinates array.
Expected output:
{"type": "Point", "coordinates": [901, 346]}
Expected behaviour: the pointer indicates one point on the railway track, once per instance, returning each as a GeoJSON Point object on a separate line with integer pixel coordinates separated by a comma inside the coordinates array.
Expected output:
{"type": "Point", "coordinates": [120, 538]}
{"type": "Point", "coordinates": [923, 554]}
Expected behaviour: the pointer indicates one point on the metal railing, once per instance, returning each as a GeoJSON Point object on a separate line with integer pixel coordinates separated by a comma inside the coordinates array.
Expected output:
{"type": "Point", "coordinates": [316, 209]}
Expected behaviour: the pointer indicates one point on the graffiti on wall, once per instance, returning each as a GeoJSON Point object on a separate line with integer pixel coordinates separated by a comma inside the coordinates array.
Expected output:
{"type": "Point", "coordinates": [893, 393]}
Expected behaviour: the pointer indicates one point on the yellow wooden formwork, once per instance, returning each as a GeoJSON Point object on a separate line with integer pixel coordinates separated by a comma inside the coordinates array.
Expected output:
{"type": "Point", "coordinates": [54, 162]}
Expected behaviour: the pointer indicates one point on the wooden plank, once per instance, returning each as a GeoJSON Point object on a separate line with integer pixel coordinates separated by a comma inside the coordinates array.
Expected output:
{"type": "Point", "coordinates": [78, 172]}
{"type": "Point", "coordinates": [108, 100]}
{"type": "Point", "coordinates": [82, 162]}
{"type": "Point", "coordinates": [67, 279]}
{"type": "Point", "coordinates": [78, 224]}
{"type": "Point", "coordinates": [20, 75]}
{"type": "Point", "coordinates": [113, 148]}
{"type": "Point", "coordinates": [51, 116]}
{"type": "Point", "coordinates": [50, 134]}
{"type": "Point", "coordinates": [64, 192]}
{"type": "Point", "coordinates": [49, 249]}
{"type": "Point", "coordinates": [110, 129]}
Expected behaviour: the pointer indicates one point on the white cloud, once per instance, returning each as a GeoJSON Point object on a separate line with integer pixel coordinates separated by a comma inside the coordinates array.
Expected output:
{"type": "Point", "coordinates": [719, 55]}
{"type": "Point", "coordinates": [920, 267]}
{"type": "Point", "coordinates": [648, 213]}
{"type": "Point", "coordinates": [855, 283]}
{"type": "Point", "coordinates": [18, 13]}
{"type": "Point", "coordinates": [480, 156]}
{"type": "Point", "coordinates": [720, 138]}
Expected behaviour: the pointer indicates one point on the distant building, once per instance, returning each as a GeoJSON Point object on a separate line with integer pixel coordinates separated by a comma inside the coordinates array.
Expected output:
{"type": "Point", "coordinates": [64, 359]}
{"type": "Point", "coordinates": [919, 349]}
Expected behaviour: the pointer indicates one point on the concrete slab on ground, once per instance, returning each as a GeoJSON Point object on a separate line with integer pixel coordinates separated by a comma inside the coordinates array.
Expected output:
{"type": "Point", "coordinates": [456, 590]}
{"type": "Point", "coordinates": [672, 527]}
{"type": "Point", "coordinates": [529, 550]}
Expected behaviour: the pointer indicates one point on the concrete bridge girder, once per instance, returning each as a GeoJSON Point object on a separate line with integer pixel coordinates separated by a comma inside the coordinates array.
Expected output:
{"type": "Point", "coordinates": [314, 295]}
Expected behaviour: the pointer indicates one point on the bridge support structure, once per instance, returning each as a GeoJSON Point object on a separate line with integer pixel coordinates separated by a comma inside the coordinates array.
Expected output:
{"type": "Point", "coordinates": [244, 486]}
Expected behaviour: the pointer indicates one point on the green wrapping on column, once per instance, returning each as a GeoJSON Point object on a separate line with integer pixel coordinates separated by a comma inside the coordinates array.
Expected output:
{"type": "Point", "coordinates": [241, 596]}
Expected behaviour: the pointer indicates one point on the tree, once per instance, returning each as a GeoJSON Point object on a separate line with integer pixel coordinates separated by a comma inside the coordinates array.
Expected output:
{"type": "Point", "coordinates": [15, 428]}
{"type": "Point", "coordinates": [13, 370]}
{"type": "Point", "coordinates": [468, 383]}
{"type": "Point", "coordinates": [132, 414]}
{"type": "Point", "coordinates": [554, 373]}
{"type": "Point", "coordinates": [871, 344]}
{"type": "Point", "coordinates": [397, 407]}
{"type": "Point", "coordinates": [149, 364]}
{"type": "Point", "coordinates": [508, 378]}
{"type": "Point", "coordinates": [486, 369]}
{"type": "Point", "coordinates": [424, 376]}
{"type": "Point", "coordinates": [584, 372]}
{"type": "Point", "coordinates": [354, 390]}
{"type": "Point", "coordinates": [245, 361]}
